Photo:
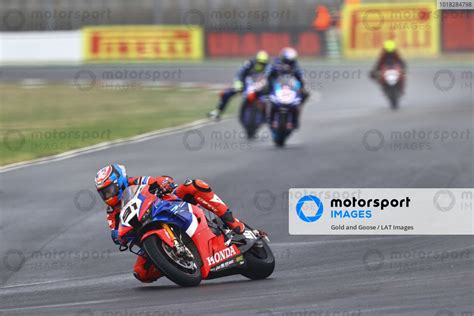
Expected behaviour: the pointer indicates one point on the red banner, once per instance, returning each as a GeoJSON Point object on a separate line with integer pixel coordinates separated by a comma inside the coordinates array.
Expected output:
{"type": "Point", "coordinates": [233, 44]}
{"type": "Point", "coordinates": [458, 30]}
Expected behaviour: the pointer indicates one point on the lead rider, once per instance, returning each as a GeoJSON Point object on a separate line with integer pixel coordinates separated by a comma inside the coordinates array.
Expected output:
{"type": "Point", "coordinates": [112, 180]}
{"type": "Point", "coordinates": [287, 63]}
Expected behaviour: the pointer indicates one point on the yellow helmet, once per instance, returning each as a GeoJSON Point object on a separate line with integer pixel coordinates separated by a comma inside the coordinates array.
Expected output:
{"type": "Point", "coordinates": [262, 57]}
{"type": "Point", "coordinates": [390, 46]}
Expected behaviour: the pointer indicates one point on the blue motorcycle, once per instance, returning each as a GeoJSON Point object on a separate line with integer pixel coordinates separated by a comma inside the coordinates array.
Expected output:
{"type": "Point", "coordinates": [285, 98]}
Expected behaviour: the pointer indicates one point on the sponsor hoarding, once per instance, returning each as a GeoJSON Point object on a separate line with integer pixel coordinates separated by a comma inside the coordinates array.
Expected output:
{"type": "Point", "coordinates": [244, 44]}
{"type": "Point", "coordinates": [458, 30]}
{"type": "Point", "coordinates": [414, 26]}
{"type": "Point", "coordinates": [153, 42]}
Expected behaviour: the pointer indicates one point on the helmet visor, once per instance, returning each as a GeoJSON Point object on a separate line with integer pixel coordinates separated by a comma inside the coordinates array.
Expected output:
{"type": "Point", "coordinates": [109, 191]}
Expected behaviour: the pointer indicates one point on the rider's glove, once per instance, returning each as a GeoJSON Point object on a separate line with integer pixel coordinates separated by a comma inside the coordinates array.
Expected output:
{"type": "Point", "coordinates": [167, 185]}
{"type": "Point", "coordinates": [238, 85]}
{"type": "Point", "coordinates": [114, 235]}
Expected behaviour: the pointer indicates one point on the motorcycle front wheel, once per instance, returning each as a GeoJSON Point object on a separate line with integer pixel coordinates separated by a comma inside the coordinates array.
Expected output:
{"type": "Point", "coordinates": [281, 133]}
{"type": "Point", "coordinates": [182, 271]}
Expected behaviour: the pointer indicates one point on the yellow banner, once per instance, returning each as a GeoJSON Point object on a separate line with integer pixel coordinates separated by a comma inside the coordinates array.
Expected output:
{"type": "Point", "coordinates": [413, 26]}
{"type": "Point", "coordinates": [153, 42]}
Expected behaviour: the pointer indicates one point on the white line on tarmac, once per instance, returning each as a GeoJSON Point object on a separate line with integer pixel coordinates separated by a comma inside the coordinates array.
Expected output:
{"type": "Point", "coordinates": [104, 145]}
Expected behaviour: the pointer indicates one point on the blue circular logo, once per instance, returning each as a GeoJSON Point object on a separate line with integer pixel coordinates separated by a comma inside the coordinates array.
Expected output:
{"type": "Point", "coordinates": [301, 212]}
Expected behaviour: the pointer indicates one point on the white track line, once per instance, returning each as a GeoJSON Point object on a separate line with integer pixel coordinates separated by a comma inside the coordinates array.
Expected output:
{"type": "Point", "coordinates": [84, 303]}
{"type": "Point", "coordinates": [104, 145]}
{"type": "Point", "coordinates": [120, 141]}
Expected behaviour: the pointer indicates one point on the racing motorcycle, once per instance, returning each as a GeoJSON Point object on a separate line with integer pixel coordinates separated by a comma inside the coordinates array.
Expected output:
{"type": "Point", "coordinates": [390, 77]}
{"type": "Point", "coordinates": [252, 112]}
{"type": "Point", "coordinates": [285, 99]}
{"type": "Point", "coordinates": [187, 243]}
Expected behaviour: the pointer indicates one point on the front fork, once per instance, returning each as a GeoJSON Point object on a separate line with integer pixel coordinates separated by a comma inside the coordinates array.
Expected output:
{"type": "Point", "coordinates": [181, 249]}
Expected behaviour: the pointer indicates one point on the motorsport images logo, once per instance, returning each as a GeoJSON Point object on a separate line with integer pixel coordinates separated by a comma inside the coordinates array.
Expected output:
{"type": "Point", "coordinates": [309, 208]}
{"type": "Point", "coordinates": [383, 211]}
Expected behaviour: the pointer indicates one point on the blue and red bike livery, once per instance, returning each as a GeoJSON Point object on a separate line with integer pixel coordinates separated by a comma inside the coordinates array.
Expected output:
{"type": "Point", "coordinates": [286, 98]}
{"type": "Point", "coordinates": [186, 243]}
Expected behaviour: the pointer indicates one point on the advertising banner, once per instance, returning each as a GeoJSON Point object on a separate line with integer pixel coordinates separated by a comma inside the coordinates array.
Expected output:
{"type": "Point", "coordinates": [154, 42]}
{"type": "Point", "coordinates": [457, 28]}
{"type": "Point", "coordinates": [244, 44]}
{"type": "Point", "coordinates": [414, 26]}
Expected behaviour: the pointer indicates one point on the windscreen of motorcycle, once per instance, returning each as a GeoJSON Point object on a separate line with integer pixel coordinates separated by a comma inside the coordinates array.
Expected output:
{"type": "Point", "coordinates": [131, 204]}
{"type": "Point", "coordinates": [128, 194]}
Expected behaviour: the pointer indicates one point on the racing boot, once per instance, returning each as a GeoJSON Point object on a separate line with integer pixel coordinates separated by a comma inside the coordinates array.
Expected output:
{"type": "Point", "coordinates": [199, 192]}
{"type": "Point", "coordinates": [215, 115]}
{"type": "Point", "coordinates": [232, 222]}
{"type": "Point", "coordinates": [145, 271]}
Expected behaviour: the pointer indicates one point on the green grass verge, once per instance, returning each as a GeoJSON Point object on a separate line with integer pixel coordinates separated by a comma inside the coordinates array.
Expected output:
{"type": "Point", "coordinates": [43, 121]}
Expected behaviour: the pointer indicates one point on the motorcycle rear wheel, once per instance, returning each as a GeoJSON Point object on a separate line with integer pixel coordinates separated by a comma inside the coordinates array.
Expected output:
{"type": "Point", "coordinates": [393, 96]}
{"type": "Point", "coordinates": [260, 262]}
{"type": "Point", "coordinates": [251, 127]}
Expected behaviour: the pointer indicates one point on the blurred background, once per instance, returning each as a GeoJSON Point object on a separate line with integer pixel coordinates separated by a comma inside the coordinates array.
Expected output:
{"type": "Point", "coordinates": [229, 28]}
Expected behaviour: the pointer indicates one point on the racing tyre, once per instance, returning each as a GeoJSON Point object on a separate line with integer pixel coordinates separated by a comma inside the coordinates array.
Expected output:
{"type": "Point", "coordinates": [260, 261]}
{"type": "Point", "coordinates": [182, 272]}
{"type": "Point", "coordinates": [251, 124]}
{"type": "Point", "coordinates": [392, 94]}
{"type": "Point", "coordinates": [281, 132]}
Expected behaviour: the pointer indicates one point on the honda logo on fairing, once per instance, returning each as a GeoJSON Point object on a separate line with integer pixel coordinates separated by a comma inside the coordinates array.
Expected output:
{"type": "Point", "coordinates": [221, 256]}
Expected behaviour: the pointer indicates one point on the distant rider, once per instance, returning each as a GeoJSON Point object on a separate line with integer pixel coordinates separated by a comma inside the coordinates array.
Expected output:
{"type": "Point", "coordinates": [250, 67]}
{"type": "Point", "coordinates": [287, 64]}
{"type": "Point", "coordinates": [112, 180]}
{"type": "Point", "coordinates": [389, 57]}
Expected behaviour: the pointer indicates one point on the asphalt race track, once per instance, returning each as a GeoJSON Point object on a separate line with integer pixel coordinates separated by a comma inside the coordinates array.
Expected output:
{"type": "Point", "coordinates": [56, 255]}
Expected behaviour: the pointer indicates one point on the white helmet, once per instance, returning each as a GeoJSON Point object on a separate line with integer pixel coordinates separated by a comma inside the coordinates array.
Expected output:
{"type": "Point", "coordinates": [288, 55]}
